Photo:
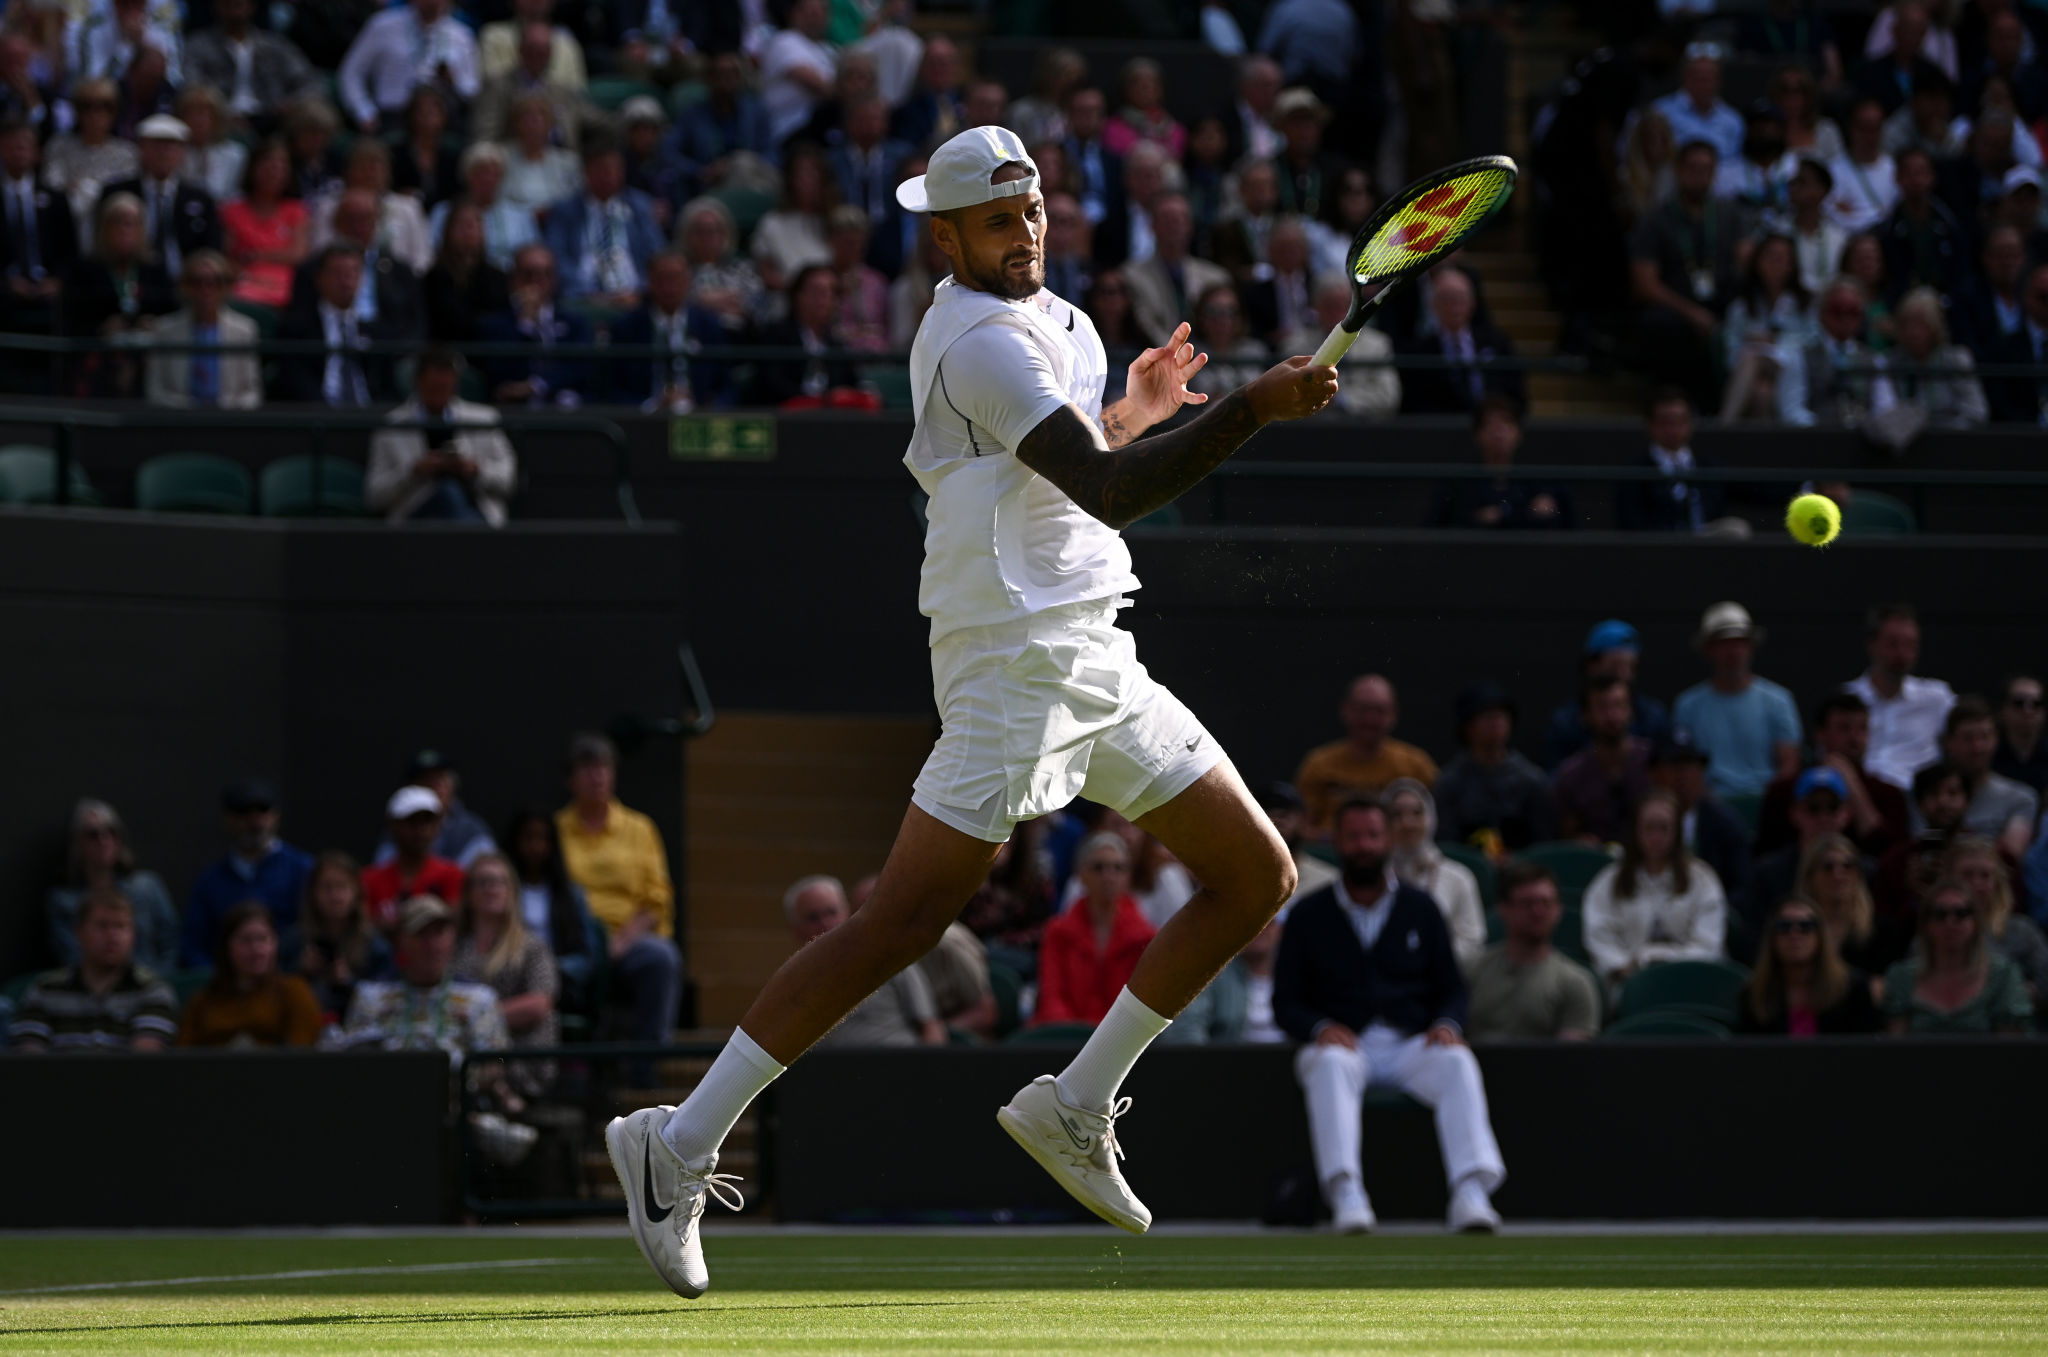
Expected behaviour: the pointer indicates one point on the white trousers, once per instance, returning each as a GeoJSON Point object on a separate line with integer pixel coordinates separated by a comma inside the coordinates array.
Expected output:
{"type": "Point", "coordinates": [1442, 1078]}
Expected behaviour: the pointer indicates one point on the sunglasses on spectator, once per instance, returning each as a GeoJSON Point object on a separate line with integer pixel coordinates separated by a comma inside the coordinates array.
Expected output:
{"type": "Point", "coordinates": [1951, 914]}
{"type": "Point", "coordinates": [1796, 925]}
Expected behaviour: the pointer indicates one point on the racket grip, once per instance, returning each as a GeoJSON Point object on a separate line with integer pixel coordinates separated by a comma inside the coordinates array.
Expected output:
{"type": "Point", "coordinates": [1336, 346]}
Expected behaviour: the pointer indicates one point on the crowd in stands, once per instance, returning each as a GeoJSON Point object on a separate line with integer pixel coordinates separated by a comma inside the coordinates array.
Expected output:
{"type": "Point", "coordinates": [1824, 223]}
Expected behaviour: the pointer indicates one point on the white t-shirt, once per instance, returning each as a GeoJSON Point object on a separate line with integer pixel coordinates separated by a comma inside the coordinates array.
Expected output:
{"type": "Point", "coordinates": [787, 103]}
{"type": "Point", "coordinates": [1001, 541]}
{"type": "Point", "coordinates": [1864, 194]}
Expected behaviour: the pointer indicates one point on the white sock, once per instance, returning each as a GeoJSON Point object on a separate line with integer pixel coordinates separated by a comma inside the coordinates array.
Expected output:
{"type": "Point", "coordinates": [706, 1117]}
{"type": "Point", "coordinates": [1098, 1071]}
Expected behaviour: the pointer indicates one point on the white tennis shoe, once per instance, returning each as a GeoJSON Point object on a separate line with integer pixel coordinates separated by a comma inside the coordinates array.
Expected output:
{"type": "Point", "coordinates": [1472, 1211]}
{"type": "Point", "coordinates": [665, 1197]}
{"type": "Point", "coordinates": [1350, 1210]}
{"type": "Point", "coordinates": [1078, 1148]}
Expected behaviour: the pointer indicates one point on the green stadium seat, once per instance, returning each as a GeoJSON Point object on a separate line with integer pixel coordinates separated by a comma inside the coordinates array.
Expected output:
{"type": "Point", "coordinates": [18, 986]}
{"type": "Point", "coordinates": [28, 475]}
{"type": "Point", "coordinates": [194, 483]}
{"type": "Point", "coordinates": [892, 381]}
{"type": "Point", "coordinates": [685, 93]}
{"type": "Point", "coordinates": [1747, 806]}
{"type": "Point", "coordinates": [1665, 1024]}
{"type": "Point", "coordinates": [1872, 514]}
{"type": "Point", "coordinates": [265, 316]}
{"type": "Point", "coordinates": [1052, 1034]}
{"type": "Point", "coordinates": [1574, 864]}
{"type": "Point", "coordinates": [610, 92]}
{"type": "Point", "coordinates": [1702, 989]}
{"type": "Point", "coordinates": [1008, 989]}
{"type": "Point", "coordinates": [747, 205]}
{"type": "Point", "coordinates": [185, 984]}
{"type": "Point", "coordinates": [1481, 867]}
{"type": "Point", "coordinates": [286, 488]}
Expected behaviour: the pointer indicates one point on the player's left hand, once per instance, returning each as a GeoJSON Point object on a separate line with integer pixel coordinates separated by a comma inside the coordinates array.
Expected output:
{"type": "Point", "coordinates": [1157, 380]}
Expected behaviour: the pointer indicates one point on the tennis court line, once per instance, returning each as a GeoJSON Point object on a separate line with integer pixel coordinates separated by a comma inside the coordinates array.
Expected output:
{"type": "Point", "coordinates": [303, 1274]}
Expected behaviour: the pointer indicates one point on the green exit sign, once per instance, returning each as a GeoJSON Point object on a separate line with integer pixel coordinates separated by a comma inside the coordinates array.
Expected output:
{"type": "Point", "coordinates": [722, 438]}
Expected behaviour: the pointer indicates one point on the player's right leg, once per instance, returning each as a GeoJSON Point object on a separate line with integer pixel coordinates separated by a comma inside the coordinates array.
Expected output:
{"type": "Point", "coordinates": [666, 1157]}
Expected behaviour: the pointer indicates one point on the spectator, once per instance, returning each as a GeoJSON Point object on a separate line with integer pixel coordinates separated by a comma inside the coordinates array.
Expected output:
{"type": "Point", "coordinates": [1069, 271]}
{"type": "Point", "coordinates": [464, 285]}
{"type": "Point", "coordinates": [1612, 650]}
{"type": "Point", "coordinates": [266, 230]}
{"type": "Point", "coordinates": [796, 70]}
{"type": "Point", "coordinates": [1489, 794]}
{"type": "Point", "coordinates": [388, 295]}
{"type": "Point", "coordinates": [413, 824]}
{"type": "Point", "coordinates": [425, 1008]}
{"type": "Point", "coordinates": [538, 172]}
{"type": "Point", "coordinates": [863, 292]}
{"type": "Point", "coordinates": [1108, 304]}
{"type": "Point", "coordinates": [1248, 124]}
{"type": "Point", "coordinates": [1239, 241]}
{"type": "Point", "coordinates": [346, 376]}
{"type": "Point", "coordinates": [1649, 157]}
{"type": "Point", "coordinates": [866, 164]}
{"type": "Point", "coordinates": [1282, 805]}
{"type": "Point", "coordinates": [1009, 911]}
{"type": "Point", "coordinates": [1143, 116]}
{"type": "Point", "coordinates": [2025, 400]}
{"type": "Point", "coordinates": [792, 237]}
{"type": "Point", "coordinates": [425, 166]}
{"type": "Point", "coordinates": [498, 47]}
{"type": "Point", "coordinates": [2000, 809]}
{"type": "Point", "coordinates": [530, 77]}
{"type": "Point", "coordinates": [1712, 833]}
{"type": "Point", "coordinates": [1675, 504]}
{"type": "Point", "coordinates": [1682, 261]}
{"type": "Point", "coordinates": [813, 327]}
{"type": "Point", "coordinates": [1418, 862]}
{"type": "Point", "coordinates": [1098, 172]}
{"type": "Point", "coordinates": [1696, 110]}
{"type": "Point", "coordinates": [1866, 181]}
{"type": "Point", "coordinates": [401, 49]}
{"type": "Point", "coordinates": [249, 1002]}
{"type": "Point", "coordinates": [2021, 756]}
{"type": "Point", "coordinates": [677, 382]}
{"type": "Point", "coordinates": [1219, 331]}
{"type": "Point", "coordinates": [1038, 115]}
{"type": "Point", "coordinates": [100, 860]}
{"type": "Point", "coordinates": [901, 1013]}
{"type": "Point", "coordinates": [616, 856]}
{"type": "Point", "coordinates": [1988, 306]}
{"type": "Point", "coordinates": [1251, 976]}
{"type": "Point", "coordinates": [1863, 264]}
{"type": "Point", "coordinates": [333, 945]}
{"type": "Point", "coordinates": [213, 159]}
{"type": "Point", "coordinates": [1910, 869]}
{"type": "Point", "coordinates": [1755, 179]}
{"type": "Point", "coordinates": [310, 127]}
{"type": "Point", "coordinates": [79, 162]}
{"type": "Point", "coordinates": [179, 216]}
{"type": "Point", "coordinates": [1365, 760]}
{"type": "Point", "coordinates": [1369, 389]}
{"type": "Point", "coordinates": [259, 73]}
{"type": "Point", "coordinates": [28, 84]}
{"type": "Point", "coordinates": [1841, 738]}
{"type": "Point", "coordinates": [1819, 810]}
{"type": "Point", "coordinates": [609, 230]}
{"type": "Point", "coordinates": [507, 224]}
{"type": "Point", "coordinates": [1522, 988]}
{"type": "Point", "coordinates": [1314, 42]}
{"type": "Point", "coordinates": [1131, 237]}
{"type": "Point", "coordinates": [202, 376]}
{"type": "Point", "coordinates": [1907, 713]}
{"type": "Point", "coordinates": [103, 1001]}
{"type": "Point", "coordinates": [115, 293]}
{"type": "Point", "coordinates": [1748, 726]}
{"type": "Point", "coordinates": [1658, 903]}
{"type": "Point", "coordinates": [1459, 337]}
{"type": "Point", "coordinates": [649, 169]}
{"type": "Point", "coordinates": [1831, 876]}
{"type": "Point", "coordinates": [1163, 286]}
{"type": "Point", "coordinates": [2004, 48]}
{"type": "Point", "coordinates": [1310, 177]}
{"type": "Point", "coordinates": [1280, 296]}
{"type": "Point", "coordinates": [111, 39]}
{"type": "Point", "coordinates": [1157, 882]}
{"type": "Point", "coordinates": [40, 243]}
{"type": "Point", "coordinates": [1928, 122]}
{"type": "Point", "coordinates": [445, 458]}
{"type": "Point", "coordinates": [1801, 987]}
{"type": "Point", "coordinates": [721, 282]}
{"type": "Point", "coordinates": [1595, 792]}
{"type": "Point", "coordinates": [1979, 865]}
{"type": "Point", "coordinates": [728, 127]}
{"type": "Point", "coordinates": [957, 971]}
{"type": "Point", "coordinates": [539, 379]}
{"type": "Point", "coordinates": [1923, 242]}
{"type": "Point", "coordinates": [934, 110]}
{"type": "Point", "coordinates": [1953, 983]}
{"type": "Point", "coordinates": [145, 90]}
{"type": "Point", "coordinates": [397, 229]}
{"type": "Point", "coordinates": [1088, 953]}
{"type": "Point", "coordinates": [1789, 29]}
{"type": "Point", "coordinates": [1817, 239]}
{"type": "Point", "coordinates": [494, 948]}
{"type": "Point", "coordinates": [1942, 395]}
{"type": "Point", "coordinates": [1766, 327]}
{"type": "Point", "coordinates": [1888, 75]}
{"type": "Point", "coordinates": [984, 104]}
{"type": "Point", "coordinates": [552, 906]}
{"type": "Point", "coordinates": [1366, 980]}
{"type": "Point", "coordinates": [258, 866]}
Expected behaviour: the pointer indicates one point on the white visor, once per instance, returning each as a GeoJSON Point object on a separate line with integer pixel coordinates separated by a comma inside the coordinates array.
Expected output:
{"type": "Point", "coordinates": [958, 175]}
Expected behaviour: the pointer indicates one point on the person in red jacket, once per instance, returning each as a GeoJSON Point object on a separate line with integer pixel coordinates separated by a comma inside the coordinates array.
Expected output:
{"type": "Point", "coordinates": [1089, 952]}
{"type": "Point", "coordinates": [414, 816]}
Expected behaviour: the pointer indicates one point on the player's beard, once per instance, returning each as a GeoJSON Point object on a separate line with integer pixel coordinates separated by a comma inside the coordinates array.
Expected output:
{"type": "Point", "coordinates": [1001, 282]}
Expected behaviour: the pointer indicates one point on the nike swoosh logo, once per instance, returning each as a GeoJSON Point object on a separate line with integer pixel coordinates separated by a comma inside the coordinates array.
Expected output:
{"type": "Point", "coordinates": [656, 1212]}
{"type": "Point", "coordinates": [1070, 318]}
{"type": "Point", "coordinates": [1081, 1143]}
{"type": "Point", "coordinates": [1193, 743]}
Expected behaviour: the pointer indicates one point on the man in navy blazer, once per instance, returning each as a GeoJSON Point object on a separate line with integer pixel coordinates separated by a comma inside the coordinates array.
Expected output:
{"type": "Point", "coordinates": [1367, 982]}
{"type": "Point", "coordinates": [603, 237]}
{"type": "Point", "coordinates": [668, 321]}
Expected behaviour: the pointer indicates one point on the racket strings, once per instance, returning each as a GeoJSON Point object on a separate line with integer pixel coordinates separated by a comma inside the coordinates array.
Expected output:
{"type": "Point", "coordinates": [1434, 224]}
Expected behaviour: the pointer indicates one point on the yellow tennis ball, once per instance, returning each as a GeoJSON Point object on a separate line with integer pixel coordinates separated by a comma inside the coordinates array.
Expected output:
{"type": "Point", "coordinates": [1814, 519]}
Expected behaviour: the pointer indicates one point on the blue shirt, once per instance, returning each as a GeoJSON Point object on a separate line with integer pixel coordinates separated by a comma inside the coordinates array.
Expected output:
{"type": "Point", "coordinates": [1721, 125]}
{"type": "Point", "coordinates": [1739, 732]}
{"type": "Point", "coordinates": [278, 880]}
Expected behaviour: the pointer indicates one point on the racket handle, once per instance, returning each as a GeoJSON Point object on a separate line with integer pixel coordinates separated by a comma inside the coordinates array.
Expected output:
{"type": "Point", "coordinates": [1336, 346]}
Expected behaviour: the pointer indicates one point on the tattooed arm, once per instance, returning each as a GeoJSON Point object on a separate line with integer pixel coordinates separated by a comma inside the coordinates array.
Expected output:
{"type": "Point", "coordinates": [1155, 386]}
{"type": "Point", "coordinates": [1122, 485]}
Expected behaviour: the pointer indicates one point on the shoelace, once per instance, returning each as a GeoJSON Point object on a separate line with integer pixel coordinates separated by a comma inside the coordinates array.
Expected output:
{"type": "Point", "coordinates": [1108, 1137]}
{"type": "Point", "coordinates": [718, 1186]}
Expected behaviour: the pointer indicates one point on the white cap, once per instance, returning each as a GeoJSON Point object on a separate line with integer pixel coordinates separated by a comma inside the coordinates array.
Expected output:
{"type": "Point", "coordinates": [2019, 175]}
{"type": "Point", "coordinates": [407, 802]}
{"type": "Point", "coordinates": [958, 173]}
{"type": "Point", "coordinates": [162, 127]}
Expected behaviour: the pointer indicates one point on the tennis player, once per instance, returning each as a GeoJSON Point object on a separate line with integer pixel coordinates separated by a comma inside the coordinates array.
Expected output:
{"type": "Point", "coordinates": [1042, 697]}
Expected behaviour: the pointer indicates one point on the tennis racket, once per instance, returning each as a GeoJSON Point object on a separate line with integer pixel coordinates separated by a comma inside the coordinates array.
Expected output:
{"type": "Point", "coordinates": [1412, 230]}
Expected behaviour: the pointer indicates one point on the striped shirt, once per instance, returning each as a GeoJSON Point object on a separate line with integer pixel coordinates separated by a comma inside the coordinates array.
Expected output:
{"type": "Point", "coordinates": [60, 1013]}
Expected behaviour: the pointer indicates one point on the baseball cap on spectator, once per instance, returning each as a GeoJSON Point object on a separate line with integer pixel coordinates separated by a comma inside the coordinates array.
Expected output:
{"type": "Point", "coordinates": [1808, 161]}
{"type": "Point", "coordinates": [162, 127]}
{"type": "Point", "coordinates": [1820, 779]}
{"type": "Point", "coordinates": [1678, 746]}
{"type": "Point", "coordinates": [1484, 696]}
{"type": "Point", "coordinates": [1299, 99]}
{"type": "Point", "coordinates": [247, 794]}
{"type": "Point", "coordinates": [958, 173]}
{"type": "Point", "coordinates": [641, 108]}
{"type": "Point", "coordinates": [422, 912]}
{"type": "Point", "coordinates": [2021, 176]}
{"type": "Point", "coordinates": [407, 802]}
{"type": "Point", "coordinates": [1613, 634]}
{"type": "Point", "coordinates": [428, 761]}
{"type": "Point", "coordinates": [590, 747]}
{"type": "Point", "coordinates": [1724, 620]}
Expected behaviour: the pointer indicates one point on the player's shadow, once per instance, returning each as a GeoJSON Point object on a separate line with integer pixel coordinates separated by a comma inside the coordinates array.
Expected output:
{"type": "Point", "coordinates": [611, 1313]}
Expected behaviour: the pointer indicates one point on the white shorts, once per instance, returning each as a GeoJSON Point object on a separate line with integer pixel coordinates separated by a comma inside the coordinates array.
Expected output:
{"type": "Point", "coordinates": [1047, 708]}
